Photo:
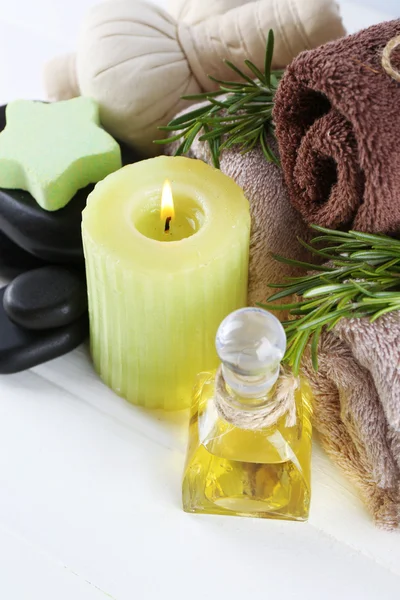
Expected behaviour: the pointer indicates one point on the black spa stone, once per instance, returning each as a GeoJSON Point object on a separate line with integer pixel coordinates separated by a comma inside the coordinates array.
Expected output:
{"type": "Point", "coordinates": [14, 260]}
{"type": "Point", "coordinates": [51, 236]}
{"type": "Point", "coordinates": [55, 236]}
{"type": "Point", "coordinates": [21, 349]}
{"type": "Point", "coordinates": [46, 298]}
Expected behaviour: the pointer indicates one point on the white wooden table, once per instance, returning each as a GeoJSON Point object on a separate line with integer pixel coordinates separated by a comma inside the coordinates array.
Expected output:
{"type": "Point", "coordinates": [90, 486]}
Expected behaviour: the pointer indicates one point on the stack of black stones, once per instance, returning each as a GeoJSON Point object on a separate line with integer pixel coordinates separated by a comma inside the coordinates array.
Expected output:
{"type": "Point", "coordinates": [43, 310]}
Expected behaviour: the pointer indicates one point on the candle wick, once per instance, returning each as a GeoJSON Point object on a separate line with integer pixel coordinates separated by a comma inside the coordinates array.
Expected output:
{"type": "Point", "coordinates": [167, 224]}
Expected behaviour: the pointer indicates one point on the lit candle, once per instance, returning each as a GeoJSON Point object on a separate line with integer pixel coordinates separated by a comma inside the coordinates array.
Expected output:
{"type": "Point", "coordinates": [164, 224]}
{"type": "Point", "coordinates": [166, 246]}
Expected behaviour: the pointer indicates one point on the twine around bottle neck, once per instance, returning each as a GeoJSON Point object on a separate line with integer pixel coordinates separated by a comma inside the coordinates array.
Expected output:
{"type": "Point", "coordinates": [283, 402]}
{"type": "Point", "coordinates": [386, 58]}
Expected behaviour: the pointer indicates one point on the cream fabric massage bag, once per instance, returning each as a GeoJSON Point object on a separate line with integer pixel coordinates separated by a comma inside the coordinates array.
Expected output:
{"type": "Point", "coordinates": [137, 60]}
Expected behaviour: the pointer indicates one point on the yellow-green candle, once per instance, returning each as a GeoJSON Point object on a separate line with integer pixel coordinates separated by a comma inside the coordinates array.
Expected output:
{"type": "Point", "coordinates": [162, 278]}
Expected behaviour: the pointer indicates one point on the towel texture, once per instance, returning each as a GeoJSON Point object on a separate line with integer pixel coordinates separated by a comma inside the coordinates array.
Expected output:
{"type": "Point", "coordinates": [276, 226]}
{"type": "Point", "coordinates": [357, 408]}
{"type": "Point", "coordinates": [338, 124]}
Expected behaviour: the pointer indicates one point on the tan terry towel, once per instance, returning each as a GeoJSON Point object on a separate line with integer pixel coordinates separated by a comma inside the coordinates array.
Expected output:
{"type": "Point", "coordinates": [275, 223]}
{"type": "Point", "coordinates": [357, 408]}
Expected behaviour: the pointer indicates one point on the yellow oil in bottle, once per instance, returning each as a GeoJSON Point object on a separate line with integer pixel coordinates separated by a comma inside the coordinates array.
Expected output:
{"type": "Point", "coordinates": [232, 471]}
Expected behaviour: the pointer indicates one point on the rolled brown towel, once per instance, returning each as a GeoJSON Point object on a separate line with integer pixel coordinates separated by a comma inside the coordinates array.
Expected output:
{"type": "Point", "coordinates": [276, 226]}
{"type": "Point", "coordinates": [357, 408]}
{"type": "Point", "coordinates": [337, 117]}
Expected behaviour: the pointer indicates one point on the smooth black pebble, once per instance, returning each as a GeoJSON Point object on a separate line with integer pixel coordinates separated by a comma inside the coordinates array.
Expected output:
{"type": "Point", "coordinates": [21, 349]}
{"type": "Point", "coordinates": [53, 236]}
{"type": "Point", "coordinates": [14, 260]}
{"type": "Point", "coordinates": [46, 298]}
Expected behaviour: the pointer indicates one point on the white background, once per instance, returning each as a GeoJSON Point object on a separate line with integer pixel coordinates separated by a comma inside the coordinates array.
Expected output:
{"type": "Point", "coordinates": [90, 486]}
{"type": "Point", "coordinates": [390, 6]}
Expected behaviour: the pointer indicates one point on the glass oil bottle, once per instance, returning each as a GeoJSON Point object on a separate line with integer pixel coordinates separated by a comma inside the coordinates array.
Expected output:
{"type": "Point", "coordinates": [249, 449]}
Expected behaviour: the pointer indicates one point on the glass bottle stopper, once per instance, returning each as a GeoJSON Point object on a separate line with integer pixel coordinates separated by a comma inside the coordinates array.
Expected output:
{"type": "Point", "coordinates": [251, 344]}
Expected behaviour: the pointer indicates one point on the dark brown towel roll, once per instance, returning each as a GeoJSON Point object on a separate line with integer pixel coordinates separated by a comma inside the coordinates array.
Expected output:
{"type": "Point", "coordinates": [337, 117]}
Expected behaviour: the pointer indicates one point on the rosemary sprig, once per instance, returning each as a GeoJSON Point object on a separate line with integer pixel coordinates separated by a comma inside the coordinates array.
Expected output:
{"type": "Point", "coordinates": [361, 278]}
{"type": "Point", "coordinates": [243, 117]}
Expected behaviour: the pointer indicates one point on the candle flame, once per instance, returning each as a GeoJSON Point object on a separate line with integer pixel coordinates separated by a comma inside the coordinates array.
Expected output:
{"type": "Point", "coordinates": [167, 202]}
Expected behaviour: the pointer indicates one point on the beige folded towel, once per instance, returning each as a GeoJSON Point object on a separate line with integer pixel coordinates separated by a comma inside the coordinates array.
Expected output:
{"type": "Point", "coordinates": [137, 61]}
{"type": "Point", "coordinates": [276, 226]}
{"type": "Point", "coordinates": [357, 408]}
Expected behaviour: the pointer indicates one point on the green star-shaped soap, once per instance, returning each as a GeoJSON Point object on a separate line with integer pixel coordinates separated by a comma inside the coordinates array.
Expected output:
{"type": "Point", "coordinates": [53, 150]}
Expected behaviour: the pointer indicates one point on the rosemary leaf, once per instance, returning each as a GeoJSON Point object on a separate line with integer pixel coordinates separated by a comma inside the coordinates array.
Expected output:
{"type": "Point", "coordinates": [256, 71]}
{"type": "Point", "coordinates": [239, 72]}
{"type": "Point", "coordinates": [361, 279]}
{"type": "Point", "coordinates": [268, 57]}
{"type": "Point", "coordinates": [298, 263]}
{"type": "Point", "coordinates": [314, 347]}
{"type": "Point", "coordinates": [243, 117]}
{"type": "Point", "coordinates": [301, 346]}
